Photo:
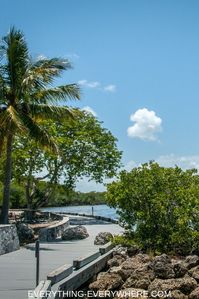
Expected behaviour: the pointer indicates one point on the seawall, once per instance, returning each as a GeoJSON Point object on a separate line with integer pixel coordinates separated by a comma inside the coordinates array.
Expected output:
{"type": "Point", "coordinates": [9, 240]}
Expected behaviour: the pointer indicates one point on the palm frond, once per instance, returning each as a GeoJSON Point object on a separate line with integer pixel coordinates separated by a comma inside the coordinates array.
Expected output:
{"type": "Point", "coordinates": [42, 112]}
{"type": "Point", "coordinates": [10, 120]}
{"type": "Point", "coordinates": [16, 50]}
{"type": "Point", "coordinates": [39, 134]}
{"type": "Point", "coordinates": [64, 92]}
{"type": "Point", "coordinates": [55, 65]}
{"type": "Point", "coordinates": [44, 71]}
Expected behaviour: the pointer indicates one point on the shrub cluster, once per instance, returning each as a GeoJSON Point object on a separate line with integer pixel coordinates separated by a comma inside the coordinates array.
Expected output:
{"type": "Point", "coordinates": [159, 207]}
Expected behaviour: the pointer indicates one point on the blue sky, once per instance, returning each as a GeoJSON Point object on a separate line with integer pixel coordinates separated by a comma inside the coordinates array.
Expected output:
{"type": "Point", "coordinates": [127, 55]}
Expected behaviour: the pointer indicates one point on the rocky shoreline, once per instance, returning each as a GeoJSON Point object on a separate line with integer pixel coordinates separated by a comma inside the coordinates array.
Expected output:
{"type": "Point", "coordinates": [143, 276]}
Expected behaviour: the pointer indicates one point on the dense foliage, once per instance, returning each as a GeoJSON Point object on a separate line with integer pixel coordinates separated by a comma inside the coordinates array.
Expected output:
{"type": "Point", "coordinates": [159, 206]}
{"type": "Point", "coordinates": [85, 149]}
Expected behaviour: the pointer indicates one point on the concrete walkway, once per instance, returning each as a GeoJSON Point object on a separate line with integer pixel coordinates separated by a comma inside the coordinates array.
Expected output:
{"type": "Point", "coordinates": [17, 269]}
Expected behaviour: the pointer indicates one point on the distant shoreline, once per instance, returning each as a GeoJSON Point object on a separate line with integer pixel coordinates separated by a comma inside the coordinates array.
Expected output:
{"type": "Point", "coordinates": [95, 209]}
{"type": "Point", "coordinates": [75, 204]}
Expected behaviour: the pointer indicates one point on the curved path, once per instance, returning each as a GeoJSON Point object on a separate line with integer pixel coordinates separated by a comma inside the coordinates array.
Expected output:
{"type": "Point", "coordinates": [17, 269]}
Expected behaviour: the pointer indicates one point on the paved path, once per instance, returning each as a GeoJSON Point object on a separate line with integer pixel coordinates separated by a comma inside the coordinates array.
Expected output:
{"type": "Point", "coordinates": [17, 269]}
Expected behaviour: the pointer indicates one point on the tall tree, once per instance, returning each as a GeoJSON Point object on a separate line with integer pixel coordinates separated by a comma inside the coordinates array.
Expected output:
{"type": "Point", "coordinates": [27, 95]}
{"type": "Point", "coordinates": [86, 149]}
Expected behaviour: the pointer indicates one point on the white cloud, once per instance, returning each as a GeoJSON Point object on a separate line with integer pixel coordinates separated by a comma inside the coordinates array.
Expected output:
{"type": "Point", "coordinates": [89, 110]}
{"type": "Point", "coordinates": [82, 82]}
{"type": "Point", "coordinates": [97, 85]}
{"type": "Point", "coordinates": [93, 84]}
{"type": "Point", "coordinates": [147, 124]}
{"type": "Point", "coordinates": [90, 84]}
{"type": "Point", "coordinates": [110, 88]}
{"type": "Point", "coordinates": [185, 162]}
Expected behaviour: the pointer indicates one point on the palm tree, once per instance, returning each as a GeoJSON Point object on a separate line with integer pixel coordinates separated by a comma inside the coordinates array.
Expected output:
{"type": "Point", "coordinates": [27, 96]}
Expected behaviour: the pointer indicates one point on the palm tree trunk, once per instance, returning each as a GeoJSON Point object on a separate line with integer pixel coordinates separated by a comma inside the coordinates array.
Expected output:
{"type": "Point", "coordinates": [7, 180]}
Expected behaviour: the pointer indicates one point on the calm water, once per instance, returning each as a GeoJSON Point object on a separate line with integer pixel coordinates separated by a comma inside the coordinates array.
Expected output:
{"type": "Point", "coordinates": [99, 210]}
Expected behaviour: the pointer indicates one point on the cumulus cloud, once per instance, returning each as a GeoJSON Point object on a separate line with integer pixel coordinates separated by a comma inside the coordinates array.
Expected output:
{"type": "Point", "coordinates": [110, 88]}
{"type": "Point", "coordinates": [89, 110]}
{"type": "Point", "coordinates": [146, 125]}
{"type": "Point", "coordinates": [97, 85]}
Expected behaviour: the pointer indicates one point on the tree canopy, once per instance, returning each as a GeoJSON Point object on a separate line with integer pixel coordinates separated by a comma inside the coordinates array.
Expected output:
{"type": "Point", "coordinates": [86, 149]}
{"type": "Point", "coordinates": [159, 206]}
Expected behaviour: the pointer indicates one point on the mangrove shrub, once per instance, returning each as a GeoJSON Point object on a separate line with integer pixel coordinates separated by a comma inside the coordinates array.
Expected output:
{"type": "Point", "coordinates": [159, 207]}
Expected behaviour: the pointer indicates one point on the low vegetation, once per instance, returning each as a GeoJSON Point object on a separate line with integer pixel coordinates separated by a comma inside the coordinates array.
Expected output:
{"type": "Point", "coordinates": [159, 207]}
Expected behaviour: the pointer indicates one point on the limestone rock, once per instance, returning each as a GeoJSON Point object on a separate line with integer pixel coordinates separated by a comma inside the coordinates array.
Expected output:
{"type": "Point", "coordinates": [116, 261]}
{"type": "Point", "coordinates": [194, 294]}
{"type": "Point", "coordinates": [194, 272]}
{"type": "Point", "coordinates": [107, 281]}
{"type": "Point", "coordinates": [133, 250]}
{"type": "Point", "coordinates": [163, 258]}
{"type": "Point", "coordinates": [102, 238]}
{"type": "Point", "coordinates": [145, 277]}
{"type": "Point", "coordinates": [136, 262]}
{"type": "Point", "coordinates": [119, 250]}
{"type": "Point", "coordinates": [192, 261]}
{"type": "Point", "coordinates": [176, 294]}
{"type": "Point", "coordinates": [140, 278]}
{"type": "Point", "coordinates": [166, 285]}
{"type": "Point", "coordinates": [163, 267]}
{"type": "Point", "coordinates": [75, 233]}
{"type": "Point", "coordinates": [131, 264]}
{"type": "Point", "coordinates": [186, 285]}
{"type": "Point", "coordinates": [179, 268]}
{"type": "Point", "coordinates": [118, 270]}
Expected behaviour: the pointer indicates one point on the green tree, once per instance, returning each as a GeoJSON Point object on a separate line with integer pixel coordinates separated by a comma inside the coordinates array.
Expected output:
{"type": "Point", "coordinates": [86, 149]}
{"type": "Point", "coordinates": [26, 97]}
{"type": "Point", "coordinates": [160, 206]}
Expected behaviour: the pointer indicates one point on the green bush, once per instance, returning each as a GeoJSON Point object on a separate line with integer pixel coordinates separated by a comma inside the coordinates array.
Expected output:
{"type": "Point", "coordinates": [17, 196]}
{"type": "Point", "coordinates": [160, 206]}
{"type": "Point", "coordinates": [123, 241]}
